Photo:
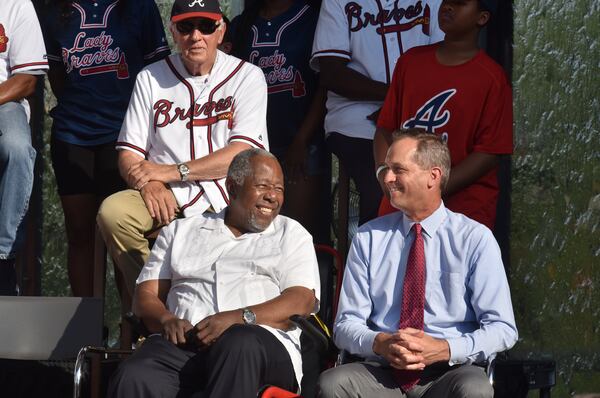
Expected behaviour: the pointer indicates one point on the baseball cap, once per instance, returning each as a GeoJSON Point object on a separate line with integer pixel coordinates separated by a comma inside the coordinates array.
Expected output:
{"type": "Point", "coordinates": [184, 9]}
{"type": "Point", "coordinates": [489, 5]}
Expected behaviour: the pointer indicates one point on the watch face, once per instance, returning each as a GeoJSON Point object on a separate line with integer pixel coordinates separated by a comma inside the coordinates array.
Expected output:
{"type": "Point", "coordinates": [249, 317]}
{"type": "Point", "coordinates": [183, 171]}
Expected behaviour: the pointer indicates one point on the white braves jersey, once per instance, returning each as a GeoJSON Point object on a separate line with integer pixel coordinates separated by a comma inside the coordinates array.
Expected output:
{"type": "Point", "coordinates": [372, 35]}
{"type": "Point", "coordinates": [21, 43]}
{"type": "Point", "coordinates": [229, 105]}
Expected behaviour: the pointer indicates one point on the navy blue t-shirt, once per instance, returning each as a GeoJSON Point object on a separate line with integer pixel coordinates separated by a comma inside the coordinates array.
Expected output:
{"type": "Point", "coordinates": [101, 46]}
{"type": "Point", "coordinates": [281, 47]}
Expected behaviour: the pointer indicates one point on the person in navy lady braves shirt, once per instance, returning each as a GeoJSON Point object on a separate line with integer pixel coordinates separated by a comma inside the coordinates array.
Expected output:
{"type": "Point", "coordinates": [276, 35]}
{"type": "Point", "coordinates": [95, 48]}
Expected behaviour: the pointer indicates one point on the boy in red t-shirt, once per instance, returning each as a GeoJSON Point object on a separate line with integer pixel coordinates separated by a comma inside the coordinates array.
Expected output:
{"type": "Point", "coordinates": [455, 90]}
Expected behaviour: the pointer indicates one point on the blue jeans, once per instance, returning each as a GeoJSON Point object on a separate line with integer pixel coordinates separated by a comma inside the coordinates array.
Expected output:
{"type": "Point", "coordinates": [17, 158]}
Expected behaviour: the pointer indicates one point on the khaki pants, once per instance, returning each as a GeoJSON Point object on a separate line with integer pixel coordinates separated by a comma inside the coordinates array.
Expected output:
{"type": "Point", "coordinates": [124, 222]}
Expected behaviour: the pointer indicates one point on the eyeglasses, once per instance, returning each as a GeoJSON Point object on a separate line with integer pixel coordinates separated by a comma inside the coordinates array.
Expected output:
{"type": "Point", "coordinates": [204, 26]}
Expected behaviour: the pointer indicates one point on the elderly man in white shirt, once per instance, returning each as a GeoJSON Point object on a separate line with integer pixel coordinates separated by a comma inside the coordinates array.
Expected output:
{"type": "Point", "coordinates": [218, 290]}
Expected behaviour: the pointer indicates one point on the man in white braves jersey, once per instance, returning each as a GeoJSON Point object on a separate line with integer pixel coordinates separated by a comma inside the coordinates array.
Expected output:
{"type": "Point", "coordinates": [189, 115]}
{"type": "Point", "coordinates": [22, 58]}
{"type": "Point", "coordinates": [356, 46]}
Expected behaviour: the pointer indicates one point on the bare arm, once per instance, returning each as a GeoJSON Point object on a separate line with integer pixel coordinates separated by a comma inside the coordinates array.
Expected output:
{"type": "Point", "coordinates": [149, 305]}
{"type": "Point", "coordinates": [209, 167]}
{"type": "Point", "coordinates": [339, 78]}
{"type": "Point", "coordinates": [57, 77]}
{"type": "Point", "coordinates": [473, 167]}
{"type": "Point", "coordinates": [126, 160]}
{"type": "Point", "coordinates": [312, 122]}
{"type": "Point", "coordinates": [17, 87]}
{"type": "Point", "coordinates": [274, 312]}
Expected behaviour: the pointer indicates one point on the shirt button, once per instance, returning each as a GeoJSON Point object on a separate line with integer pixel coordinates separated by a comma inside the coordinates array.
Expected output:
{"type": "Point", "coordinates": [269, 23]}
{"type": "Point", "coordinates": [95, 4]}
{"type": "Point", "coordinates": [94, 15]}
{"type": "Point", "coordinates": [266, 34]}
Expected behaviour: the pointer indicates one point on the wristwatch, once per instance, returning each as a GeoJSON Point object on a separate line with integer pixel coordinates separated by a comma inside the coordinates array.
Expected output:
{"type": "Point", "coordinates": [184, 171]}
{"type": "Point", "coordinates": [248, 316]}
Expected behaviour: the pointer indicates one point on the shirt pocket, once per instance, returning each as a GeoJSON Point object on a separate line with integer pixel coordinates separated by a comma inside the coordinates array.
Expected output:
{"type": "Point", "coordinates": [448, 292]}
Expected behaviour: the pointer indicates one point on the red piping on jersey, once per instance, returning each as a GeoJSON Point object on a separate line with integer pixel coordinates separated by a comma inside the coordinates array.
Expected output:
{"type": "Point", "coordinates": [127, 144]}
{"type": "Point", "coordinates": [384, 44]}
{"type": "Point", "coordinates": [210, 97]}
{"type": "Point", "coordinates": [349, 54]}
{"type": "Point", "coordinates": [243, 137]}
{"type": "Point", "coordinates": [194, 200]}
{"type": "Point", "coordinates": [209, 129]}
{"type": "Point", "coordinates": [43, 63]}
{"type": "Point", "coordinates": [190, 126]}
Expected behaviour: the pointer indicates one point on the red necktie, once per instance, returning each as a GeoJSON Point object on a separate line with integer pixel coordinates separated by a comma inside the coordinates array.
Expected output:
{"type": "Point", "coordinates": [413, 301]}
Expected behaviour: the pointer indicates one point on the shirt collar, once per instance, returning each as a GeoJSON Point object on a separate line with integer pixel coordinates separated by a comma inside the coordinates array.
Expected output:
{"type": "Point", "coordinates": [429, 225]}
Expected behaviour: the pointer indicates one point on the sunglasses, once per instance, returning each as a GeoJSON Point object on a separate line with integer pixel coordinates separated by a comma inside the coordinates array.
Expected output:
{"type": "Point", "coordinates": [204, 26]}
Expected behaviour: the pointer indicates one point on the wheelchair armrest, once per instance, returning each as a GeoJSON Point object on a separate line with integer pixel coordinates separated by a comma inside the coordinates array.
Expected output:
{"type": "Point", "coordinates": [312, 331]}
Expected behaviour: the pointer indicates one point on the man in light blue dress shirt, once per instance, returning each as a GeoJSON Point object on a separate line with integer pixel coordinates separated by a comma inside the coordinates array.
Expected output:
{"type": "Point", "coordinates": [468, 315]}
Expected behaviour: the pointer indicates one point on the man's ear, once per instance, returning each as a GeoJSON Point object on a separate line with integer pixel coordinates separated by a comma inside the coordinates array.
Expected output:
{"type": "Point", "coordinates": [435, 177]}
{"type": "Point", "coordinates": [231, 187]}
{"type": "Point", "coordinates": [484, 18]}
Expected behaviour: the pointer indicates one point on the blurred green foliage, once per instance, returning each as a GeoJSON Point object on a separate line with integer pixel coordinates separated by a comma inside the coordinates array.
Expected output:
{"type": "Point", "coordinates": [555, 238]}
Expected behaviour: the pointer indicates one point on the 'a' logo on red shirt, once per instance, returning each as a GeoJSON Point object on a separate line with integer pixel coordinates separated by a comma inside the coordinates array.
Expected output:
{"type": "Point", "coordinates": [3, 39]}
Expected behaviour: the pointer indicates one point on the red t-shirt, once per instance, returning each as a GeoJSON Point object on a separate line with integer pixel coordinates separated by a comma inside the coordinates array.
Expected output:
{"type": "Point", "coordinates": [469, 104]}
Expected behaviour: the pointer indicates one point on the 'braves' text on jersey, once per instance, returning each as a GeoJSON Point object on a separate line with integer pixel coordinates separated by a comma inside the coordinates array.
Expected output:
{"type": "Point", "coordinates": [371, 35]}
{"type": "Point", "coordinates": [174, 117]}
{"type": "Point", "coordinates": [21, 47]}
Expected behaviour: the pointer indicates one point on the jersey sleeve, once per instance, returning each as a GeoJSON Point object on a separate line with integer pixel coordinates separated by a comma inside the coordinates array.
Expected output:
{"type": "Point", "coordinates": [155, 46]}
{"type": "Point", "coordinates": [332, 35]}
{"type": "Point", "coordinates": [27, 53]}
{"type": "Point", "coordinates": [135, 131]}
{"type": "Point", "coordinates": [250, 110]}
{"type": "Point", "coordinates": [495, 130]}
{"type": "Point", "coordinates": [389, 116]}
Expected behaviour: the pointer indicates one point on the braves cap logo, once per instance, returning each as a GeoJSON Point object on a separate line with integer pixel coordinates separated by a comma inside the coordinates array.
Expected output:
{"type": "Point", "coordinates": [3, 39]}
{"type": "Point", "coordinates": [199, 2]}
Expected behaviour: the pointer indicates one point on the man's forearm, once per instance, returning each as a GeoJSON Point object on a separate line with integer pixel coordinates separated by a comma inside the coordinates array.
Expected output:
{"type": "Point", "coordinates": [336, 76]}
{"type": "Point", "coordinates": [276, 312]}
{"type": "Point", "coordinates": [126, 160]}
{"type": "Point", "coordinates": [149, 304]}
{"type": "Point", "coordinates": [469, 170]}
{"type": "Point", "coordinates": [214, 165]}
{"type": "Point", "coordinates": [16, 88]}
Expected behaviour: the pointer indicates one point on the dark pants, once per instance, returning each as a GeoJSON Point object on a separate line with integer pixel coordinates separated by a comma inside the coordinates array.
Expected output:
{"type": "Point", "coordinates": [356, 155]}
{"type": "Point", "coordinates": [242, 360]}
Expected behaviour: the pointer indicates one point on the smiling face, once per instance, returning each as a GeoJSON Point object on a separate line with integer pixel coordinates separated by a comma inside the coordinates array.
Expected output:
{"type": "Point", "coordinates": [198, 50]}
{"type": "Point", "coordinates": [413, 189]}
{"type": "Point", "coordinates": [257, 201]}
{"type": "Point", "coordinates": [461, 17]}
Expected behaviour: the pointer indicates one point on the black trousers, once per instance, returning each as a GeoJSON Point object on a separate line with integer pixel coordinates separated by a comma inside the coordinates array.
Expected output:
{"type": "Point", "coordinates": [356, 155]}
{"type": "Point", "coordinates": [242, 360]}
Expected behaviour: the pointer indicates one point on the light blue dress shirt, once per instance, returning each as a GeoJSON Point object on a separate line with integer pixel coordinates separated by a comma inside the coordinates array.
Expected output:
{"type": "Point", "coordinates": [467, 298]}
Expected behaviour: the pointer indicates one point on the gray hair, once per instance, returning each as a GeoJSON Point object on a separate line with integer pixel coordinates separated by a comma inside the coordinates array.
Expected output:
{"type": "Point", "coordinates": [240, 166]}
{"type": "Point", "coordinates": [431, 151]}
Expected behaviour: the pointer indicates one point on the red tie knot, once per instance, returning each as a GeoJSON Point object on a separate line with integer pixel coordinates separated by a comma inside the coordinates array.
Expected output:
{"type": "Point", "coordinates": [417, 228]}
